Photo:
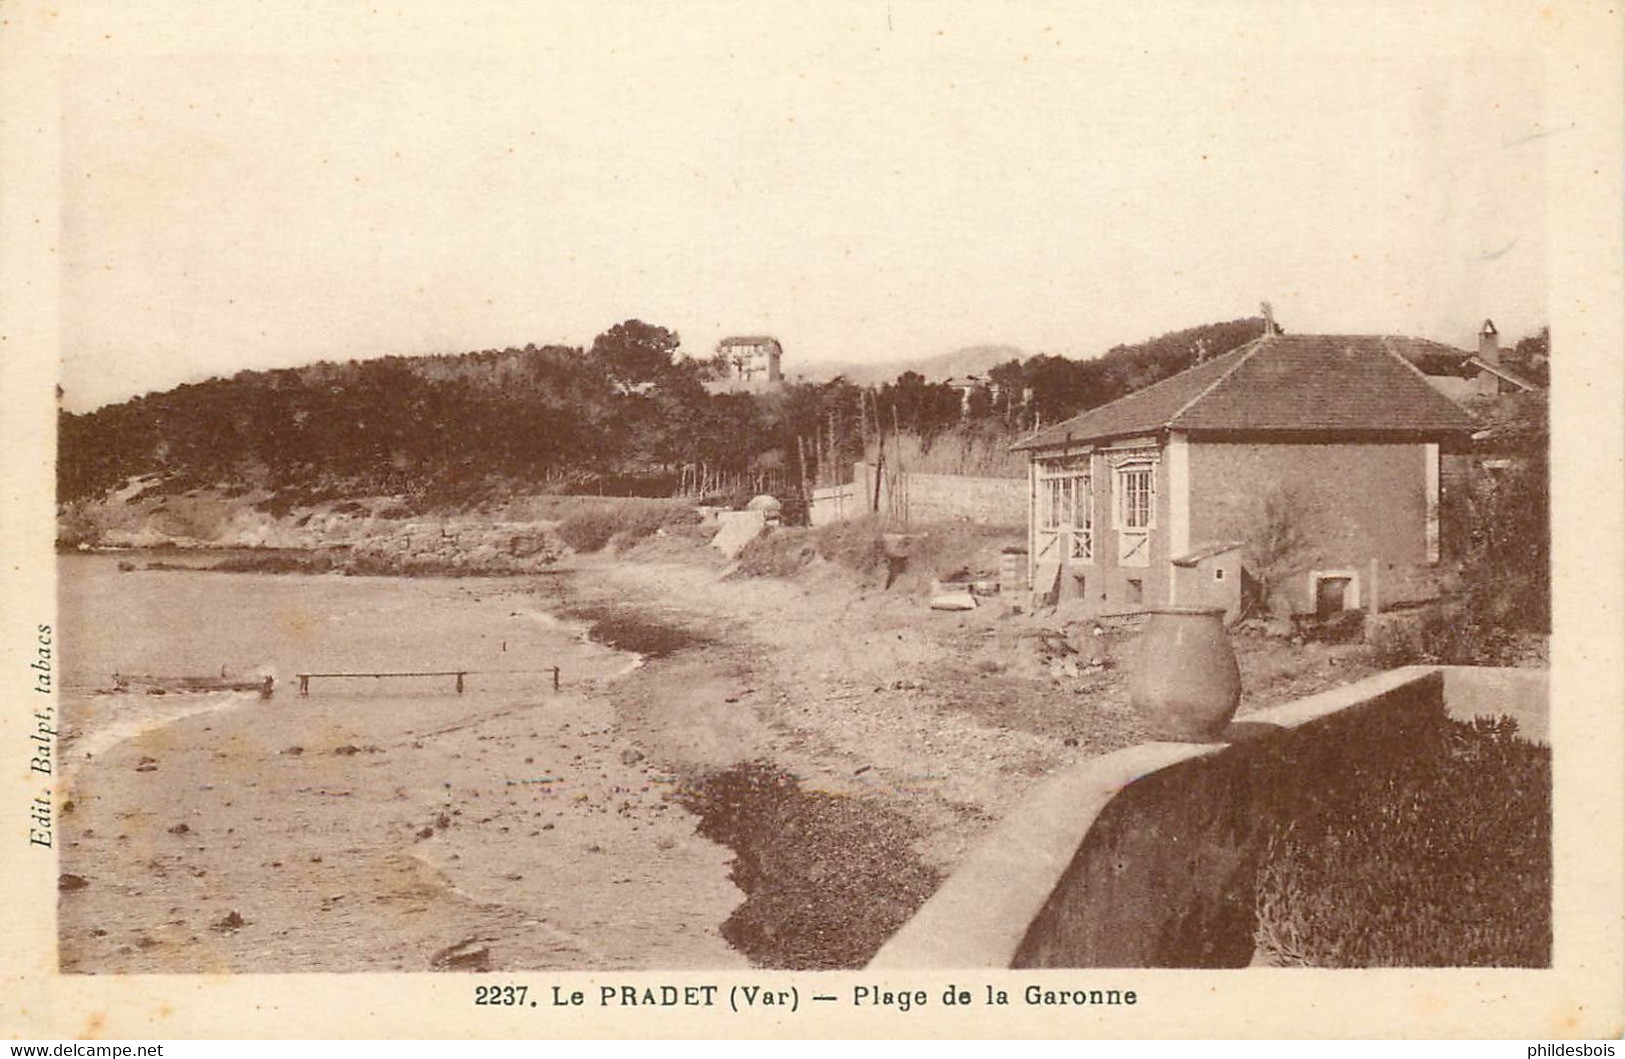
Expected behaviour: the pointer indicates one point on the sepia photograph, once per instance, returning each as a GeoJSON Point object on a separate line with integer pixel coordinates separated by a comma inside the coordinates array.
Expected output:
{"type": "Point", "coordinates": [700, 507]}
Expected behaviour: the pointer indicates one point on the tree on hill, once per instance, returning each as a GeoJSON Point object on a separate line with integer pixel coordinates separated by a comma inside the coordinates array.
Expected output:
{"type": "Point", "coordinates": [911, 403]}
{"type": "Point", "coordinates": [634, 353]}
{"type": "Point", "coordinates": [1531, 357]}
{"type": "Point", "coordinates": [628, 407]}
{"type": "Point", "coordinates": [1009, 382]}
{"type": "Point", "coordinates": [1057, 388]}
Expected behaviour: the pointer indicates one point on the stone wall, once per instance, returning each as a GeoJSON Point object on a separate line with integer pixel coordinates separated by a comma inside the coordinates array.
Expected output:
{"type": "Point", "coordinates": [1147, 857]}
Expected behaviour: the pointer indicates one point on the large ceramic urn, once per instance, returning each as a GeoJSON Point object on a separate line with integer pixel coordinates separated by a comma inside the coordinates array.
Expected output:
{"type": "Point", "coordinates": [1185, 682]}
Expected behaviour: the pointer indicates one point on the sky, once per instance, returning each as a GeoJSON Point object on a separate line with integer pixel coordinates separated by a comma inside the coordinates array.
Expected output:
{"type": "Point", "coordinates": [863, 181]}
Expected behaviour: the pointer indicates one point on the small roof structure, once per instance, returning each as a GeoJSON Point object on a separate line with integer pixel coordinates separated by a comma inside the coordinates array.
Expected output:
{"type": "Point", "coordinates": [1438, 359]}
{"type": "Point", "coordinates": [1480, 364]}
{"type": "Point", "coordinates": [1207, 551]}
{"type": "Point", "coordinates": [1279, 384]}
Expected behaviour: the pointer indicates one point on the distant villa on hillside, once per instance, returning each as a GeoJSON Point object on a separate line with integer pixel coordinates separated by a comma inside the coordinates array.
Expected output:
{"type": "Point", "coordinates": [754, 361]}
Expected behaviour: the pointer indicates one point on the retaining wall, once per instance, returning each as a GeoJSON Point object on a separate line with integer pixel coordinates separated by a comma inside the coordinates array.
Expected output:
{"type": "Point", "coordinates": [837, 503]}
{"type": "Point", "coordinates": [1146, 857]}
{"type": "Point", "coordinates": [928, 497]}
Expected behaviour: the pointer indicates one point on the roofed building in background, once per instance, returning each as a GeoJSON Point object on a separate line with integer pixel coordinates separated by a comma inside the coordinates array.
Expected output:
{"type": "Point", "coordinates": [753, 362]}
{"type": "Point", "coordinates": [1307, 465]}
{"type": "Point", "coordinates": [1463, 376]}
{"type": "Point", "coordinates": [967, 386]}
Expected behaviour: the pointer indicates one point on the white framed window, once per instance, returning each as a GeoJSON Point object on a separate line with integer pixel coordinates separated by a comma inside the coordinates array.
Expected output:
{"type": "Point", "coordinates": [1060, 500]}
{"type": "Point", "coordinates": [1064, 519]}
{"type": "Point", "coordinates": [1134, 507]}
{"type": "Point", "coordinates": [1136, 496]}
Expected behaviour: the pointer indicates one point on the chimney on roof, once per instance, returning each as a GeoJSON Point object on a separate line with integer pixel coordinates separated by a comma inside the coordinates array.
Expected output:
{"type": "Point", "coordinates": [1269, 317]}
{"type": "Point", "coordinates": [1489, 344]}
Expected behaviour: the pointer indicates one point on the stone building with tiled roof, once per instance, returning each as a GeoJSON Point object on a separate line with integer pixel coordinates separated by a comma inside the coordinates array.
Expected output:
{"type": "Point", "coordinates": [1164, 496]}
{"type": "Point", "coordinates": [753, 361]}
{"type": "Point", "coordinates": [1461, 376]}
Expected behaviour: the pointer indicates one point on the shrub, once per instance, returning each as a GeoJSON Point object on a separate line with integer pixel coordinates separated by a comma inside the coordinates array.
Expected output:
{"type": "Point", "coordinates": [936, 551]}
{"type": "Point", "coordinates": [855, 545]}
{"type": "Point", "coordinates": [1279, 534]}
{"type": "Point", "coordinates": [526, 545]}
{"type": "Point", "coordinates": [1435, 855]}
{"type": "Point", "coordinates": [590, 527]}
{"type": "Point", "coordinates": [781, 552]}
{"type": "Point", "coordinates": [1506, 569]}
{"type": "Point", "coordinates": [785, 551]}
{"type": "Point", "coordinates": [1442, 636]}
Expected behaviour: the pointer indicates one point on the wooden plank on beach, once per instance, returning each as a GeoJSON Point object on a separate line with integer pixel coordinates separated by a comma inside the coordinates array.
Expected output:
{"type": "Point", "coordinates": [305, 678]}
{"type": "Point", "coordinates": [167, 685]}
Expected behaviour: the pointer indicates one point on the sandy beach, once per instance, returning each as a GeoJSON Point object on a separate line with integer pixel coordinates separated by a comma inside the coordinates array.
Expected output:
{"type": "Point", "coordinates": [393, 828]}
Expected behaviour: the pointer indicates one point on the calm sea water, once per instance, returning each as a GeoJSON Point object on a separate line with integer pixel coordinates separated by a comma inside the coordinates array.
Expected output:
{"type": "Point", "coordinates": [196, 622]}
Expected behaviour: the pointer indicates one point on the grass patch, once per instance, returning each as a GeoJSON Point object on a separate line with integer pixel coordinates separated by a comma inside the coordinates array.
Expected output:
{"type": "Point", "coordinates": [1435, 855]}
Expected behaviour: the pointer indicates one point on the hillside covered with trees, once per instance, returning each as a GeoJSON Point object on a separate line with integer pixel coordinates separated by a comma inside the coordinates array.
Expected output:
{"type": "Point", "coordinates": [626, 415]}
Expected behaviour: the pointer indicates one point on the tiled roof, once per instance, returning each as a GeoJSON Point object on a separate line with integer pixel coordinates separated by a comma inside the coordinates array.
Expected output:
{"type": "Point", "coordinates": [1298, 384]}
{"type": "Point", "coordinates": [1433, 358]}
